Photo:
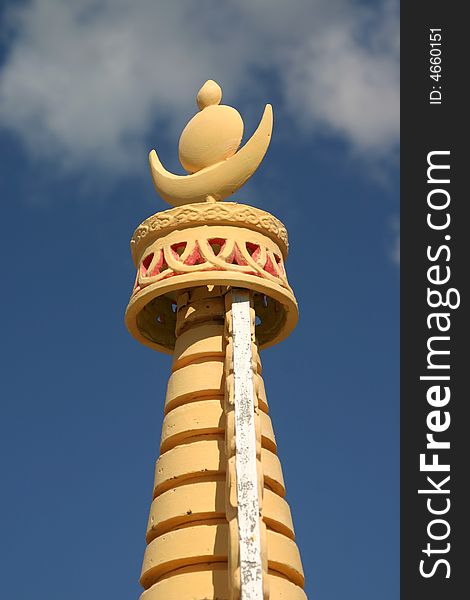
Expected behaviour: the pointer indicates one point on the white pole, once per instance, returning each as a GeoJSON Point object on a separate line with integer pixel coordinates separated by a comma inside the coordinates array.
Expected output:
{"type": "Point", "coordinates": [245, 458]}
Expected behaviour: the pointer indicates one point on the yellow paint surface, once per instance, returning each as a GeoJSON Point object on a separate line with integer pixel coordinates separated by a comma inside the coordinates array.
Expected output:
{"type": "Point", "coordinates": [197, 544]}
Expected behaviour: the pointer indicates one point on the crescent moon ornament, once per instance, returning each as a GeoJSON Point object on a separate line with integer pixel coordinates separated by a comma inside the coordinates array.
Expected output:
{"type": "Point", "coordinates": [208, 151]}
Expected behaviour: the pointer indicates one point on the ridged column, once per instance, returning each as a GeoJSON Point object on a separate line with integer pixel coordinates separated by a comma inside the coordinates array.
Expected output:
{"type": "Point", "coordinates": [189, 259]}
{"type": "Point", "coordinates": [186, 556]}
{"type": "Point", "coordinates": [191, 533]}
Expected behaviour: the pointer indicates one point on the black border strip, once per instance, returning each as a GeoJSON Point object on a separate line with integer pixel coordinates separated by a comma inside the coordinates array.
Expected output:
{"type": "Point", "coordinates": [427, 128]}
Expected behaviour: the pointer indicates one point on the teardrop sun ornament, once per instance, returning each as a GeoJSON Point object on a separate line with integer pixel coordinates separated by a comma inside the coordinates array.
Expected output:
{"type": "Point", "coordinates": [209, 152]}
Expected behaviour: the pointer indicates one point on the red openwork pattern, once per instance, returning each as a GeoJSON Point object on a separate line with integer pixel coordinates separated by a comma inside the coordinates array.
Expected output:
{"type": "Point", "coordinates": [209, 254]}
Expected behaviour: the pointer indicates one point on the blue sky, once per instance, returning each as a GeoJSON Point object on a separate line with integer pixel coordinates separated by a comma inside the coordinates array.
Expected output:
{"type": "Point", "coordinates": [86, 89]}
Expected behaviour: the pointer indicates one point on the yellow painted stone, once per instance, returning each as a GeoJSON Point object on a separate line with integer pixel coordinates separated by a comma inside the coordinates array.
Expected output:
{"type": "Point", "coordinates": [230, 245]}
{"type": "Point", "coordinates": [276, 514]}
{"type": "Point", "coordinates": [197, 311]}
{"type": "Point", "coordinates": [187, 259]}
{"type": "Point", "coordinates": [207, 581]}
{"type": "Point", "coordinates": [198, 582]}
{"type": "Point", "coordinates": [198, 501]}
{"type": "Point", "coordinates": [209, 95]}
{"type": "Point", "coordinates": [273, 472]}
{"type": "Point", "coordinates": [211, 136]}
{"type": "Point", "coordinates": [262, 398]}
{"type": "Point", "coordinates": [200, 341]}
{"type": "Point", "coordinates": [204, 417]}
{"type": "Point", "coordinates": [284, 557]}
{"type": "Point", "coordinates": [188, 420]}
{"type": "Point", "coordinates": [201, 379]}
{"type": "Point", "coordinates": [189, 460]}
{"type": "Point", "coordinates": [195, 501]}
{"type": "Point", "coordinates": [208, 149]}
{"type": "Point", "coordinates": [248, 220]}
{"type": "Point", "coordinates": [182, 547]}
{"type": "Point", "coordinates": [196, 544]}
{"type": "Point", "coordinates": [283, 589]}
{"type": "Point", "coordinates": [268, 439]}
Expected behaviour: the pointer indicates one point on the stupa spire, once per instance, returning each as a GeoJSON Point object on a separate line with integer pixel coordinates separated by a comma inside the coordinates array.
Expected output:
{"type": "Point", "coordinates": [211, 289]}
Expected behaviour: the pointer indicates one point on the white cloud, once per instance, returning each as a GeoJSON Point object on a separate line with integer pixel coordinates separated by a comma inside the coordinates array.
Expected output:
{"type": "Point", "coordinates": [394, 251]}
{"type": "Point", "coordinates": [348, 84]}
{"type": "Point", "coordinates": [84, 82]}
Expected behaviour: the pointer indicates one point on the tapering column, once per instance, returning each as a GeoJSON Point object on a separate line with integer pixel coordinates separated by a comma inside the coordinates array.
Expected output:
{"type": "Point", "coordinates": [211, 289]}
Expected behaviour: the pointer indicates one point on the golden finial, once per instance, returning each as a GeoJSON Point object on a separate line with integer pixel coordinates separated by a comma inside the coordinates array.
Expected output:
{"type": "Point", "coordinates": [209, 95]}
{"type": "Point", "coordinates": [213, 135]}
{"type": "Point", "coordinates": [209, 152]}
